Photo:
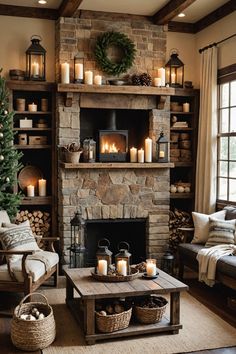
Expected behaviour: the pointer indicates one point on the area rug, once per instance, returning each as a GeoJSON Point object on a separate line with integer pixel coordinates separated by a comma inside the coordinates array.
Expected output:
{"type": "Point", "coordinates": [202, 329]}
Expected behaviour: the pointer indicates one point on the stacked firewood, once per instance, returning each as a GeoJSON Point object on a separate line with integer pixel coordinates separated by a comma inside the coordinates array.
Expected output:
{"type": "Point", "coordinates": [40, 221]}
{"type": "Point", "coordinates": [178, 218]}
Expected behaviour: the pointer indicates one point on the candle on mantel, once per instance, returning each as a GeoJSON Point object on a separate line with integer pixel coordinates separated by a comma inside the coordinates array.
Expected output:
{"type": "Point", "coordinates": [173, 78]}
{"type": "Point", "coordinates": [157, 81]}
{"type": "Point", "coordinates": [122, 267]}
{"type": "Point", "coordinates": [88, 77]}
{"type": "Point", "coordinates": [148, 150]}
{"type": "Point", "coordinates": [42, 187]}
{"type": "Point", "coordinates": [97, 80]}
{"type": "Point", "coordinates": [186, 107]}
{"type": "Point", "coordinates": [32, 107]}
{"type": "Point", "coordinates": [133, 154]}
{"type": "Point", "coordinates": [141, 155]}
{"type": "Point", "coordinates": [102, 267]}
{"type": "Point", "coordinates": [65, 73]}
{"type": "Point", "coordinates": [79, 71]}
{"type": "Point", "coordinates": [151, 268]}
{"type": "Point", "coordinates": [30, 190]}
{"type": "Point", "coordinates": [161, 73]}
{"type": "Point", "coordinates": [35, 69]}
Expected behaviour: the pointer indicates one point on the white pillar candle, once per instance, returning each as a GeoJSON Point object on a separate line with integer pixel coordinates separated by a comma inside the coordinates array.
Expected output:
{"type": "Point", "coordinates": [88, 77]}
{"type": "Point", "coordinates": [141, 155]}
{"type": "Point", "coordinates": [30, 191]}
{"type": "Point", "coordinates": [186, 107]}
{"type": "Point", "coordinates": [32, 107]}
{"type": "Point", "coordinates": [151, 269]}
{"type": "Point", "coordinates": [79, 71]}
{"type": "Point", "coordinates": [173, 78]}
{"type": "Point", "coordinates": [102, 267]}
{"type": "Point", "coordinates": [35, 69]}
{"type": "Point", "coordinates": [122, 267]}
{"type": "Point", "coordinates": [133, 154]}
{"type": "Point", "coordinates": [157, 81]}
{"type": "Point", "coordinates": [162, 74]}
{"type": "Point", "coordinates": [162, 154]}
{"type": "Point", "coordinates": [148, 150]}
{"type": "Point", "coordinates": [65, 73]}
{"type": "Point", "coordinates": [42, 187]}
{"type": "Point", "coordinates": [97, 80]}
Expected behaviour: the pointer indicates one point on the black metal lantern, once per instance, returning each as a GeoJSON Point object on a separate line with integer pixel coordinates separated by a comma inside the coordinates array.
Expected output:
{"type": "Point", "coordinates": [162, 148]}
{"type": "Point", "coordinates": [167, 262]}
{"type": "Point", "coordinates": [78, 69]}
{"type": "Point", "coordinates": [103, 257]}
{"type": "Point", "coordinates": [174, 70]}
{"type": "Point", "coordinates": [77, 249]}
{"type": "Point", "coordinates": [36, 60]}
{"type": "Point", "coordinates": [89, 150]}
{"type": "Point", "coordinates": [122, 259]}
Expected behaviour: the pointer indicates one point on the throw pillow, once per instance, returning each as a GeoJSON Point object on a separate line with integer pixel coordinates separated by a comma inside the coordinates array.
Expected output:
{"type": "Point", "coordinates": [18, 238]}
{"type": "Point", "coordinates": [4, 217]}
{"type": "Point", "coordinates": [220, 232]}
{"type": "Point", "coordinates": [201, 225]}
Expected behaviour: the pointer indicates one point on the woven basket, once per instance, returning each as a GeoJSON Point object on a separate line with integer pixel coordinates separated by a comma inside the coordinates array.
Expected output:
{"type": "Point", "coordinates": [33, 335]}
{"type": "Point", "coordinates": [149, 315]}
{"type": "Point", "coordinates": [111, 323]}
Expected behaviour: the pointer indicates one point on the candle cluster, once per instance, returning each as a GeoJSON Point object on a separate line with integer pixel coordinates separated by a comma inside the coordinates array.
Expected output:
{"type": "Point", "coordinates": [142, 155]}
{"type": "Point", "coordinates": [79, 75]}
{"type": "Point", "coordinates": [160, 80]}
{"type": "Point", "coordinates": [41, 188]}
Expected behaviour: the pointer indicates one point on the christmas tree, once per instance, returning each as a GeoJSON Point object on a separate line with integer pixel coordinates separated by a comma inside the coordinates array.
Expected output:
{"type": "Point", "coordinates": [9, 156]}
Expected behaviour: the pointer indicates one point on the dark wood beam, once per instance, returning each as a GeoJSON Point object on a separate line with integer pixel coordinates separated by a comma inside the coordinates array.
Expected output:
{"type": "Point", "coordinates": [68, 7]}
{"type": "Point", "coordinates": [33, 12]}
{"type": "Point", "coordinates": [183, 27]}
{"type": "Point", "coordinates": [170, 10]}
{"type": "Point", "coordinates": [216, 15]}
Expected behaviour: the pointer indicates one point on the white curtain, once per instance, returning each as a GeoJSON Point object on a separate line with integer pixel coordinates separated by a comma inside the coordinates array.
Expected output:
{"type": "Point", "coordinates": [206, 168]}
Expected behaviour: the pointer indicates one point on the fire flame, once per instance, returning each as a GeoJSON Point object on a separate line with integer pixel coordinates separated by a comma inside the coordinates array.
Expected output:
{"type": "Point", "coordinates": [108, 148]}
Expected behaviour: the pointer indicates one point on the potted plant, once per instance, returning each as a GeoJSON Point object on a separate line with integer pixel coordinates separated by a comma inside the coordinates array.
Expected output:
{"type": "Point", "coordinates": [72, 152]}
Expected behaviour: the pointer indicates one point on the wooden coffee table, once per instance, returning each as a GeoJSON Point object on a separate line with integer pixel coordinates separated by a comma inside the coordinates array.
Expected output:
{"type": "Point", "coordinates": [89, 289]}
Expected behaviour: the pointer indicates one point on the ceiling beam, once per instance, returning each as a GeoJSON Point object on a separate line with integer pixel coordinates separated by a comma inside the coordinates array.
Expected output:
{"type": "Point", "coordinates": [68, 7]}
{"type": "Point", "coordinates": [216, 15]}
{"type": "Point", "coordinates": [33, 12]}
{"type": "Point", "coordinates": [170, 10]}
{"type": "Point", "coordinates": [183, 27]}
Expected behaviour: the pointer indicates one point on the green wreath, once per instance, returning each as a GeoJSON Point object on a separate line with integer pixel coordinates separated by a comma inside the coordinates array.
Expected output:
{"type": "Point", "coordinates": [120, 40]}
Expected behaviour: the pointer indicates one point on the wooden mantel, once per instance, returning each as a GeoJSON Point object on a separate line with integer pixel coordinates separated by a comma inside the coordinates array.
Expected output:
{"type": "Point", "coordinates": [116, 165]}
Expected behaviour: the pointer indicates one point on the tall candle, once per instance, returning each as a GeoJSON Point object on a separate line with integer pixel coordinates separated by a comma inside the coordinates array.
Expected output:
{"type": "Point", "coordinates": [141, 155]}
{"type": "Point", "coordinates": [173, 78]}
{"type": "Point", "coordinates": [162, 74]}
{"type": "Point", "coordinates": [133, 154]}
{"type": "Point", "coordinates": [30, 191]}
{"type": "Point", "coordinates": [122, 267]}
{"type": "Point", "coordinates": [148, 150]}
{"type": "Point", "coordinates": [97, 80]}
{"type": "Point", "coordinates": [32, 107]}
{"type": "Point", "coordinates": [186, 107]}
{"type": "Point", "coordinates": [88, 77]}
{"type": "Point", "coordinates": [65, 73]}
{"type": "Point", "coordinates": [42, 187]}
{"type": "Point", "coordinates": [79, 71]}
{"type": "Point", "coordinates": [35, 69]}
{"type": "Point", "coordinates": [102, 267]}
{"type": "Point", "coordinates": [157, 81]}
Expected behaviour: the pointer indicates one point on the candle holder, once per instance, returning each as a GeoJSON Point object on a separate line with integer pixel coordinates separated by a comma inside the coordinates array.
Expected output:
{"type": "Point", "coordinates": [103, 257]}
{"type": "Point", "coordinates": [77, 249]}
{"type": "Point", "coordinates": [151, 267]}
{"type": "Point", "coordinates": [78, 69]}
{"type": "Point", "coordinates": [36, 60]}
{"type": "Point", "coordinates": [122, 259]}
{"type": "Point", "coordinates": [174, 70]}
{"type": "Point", "coordinates": [89, 150]}
{"type": "Point", "coordinates": [162, 148]}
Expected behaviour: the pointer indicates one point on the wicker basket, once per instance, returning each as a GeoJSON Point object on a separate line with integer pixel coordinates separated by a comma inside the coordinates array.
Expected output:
{"type": "Point", "coordinates": [149, 315]}
{"type": "Point", "coordinates": [33, 335]}
{"type": "Point", "coordinates": [111, 323]}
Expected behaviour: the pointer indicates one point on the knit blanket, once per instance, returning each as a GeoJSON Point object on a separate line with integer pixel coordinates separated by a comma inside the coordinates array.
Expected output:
{"type": "Point", "coordinates": [207, 260]}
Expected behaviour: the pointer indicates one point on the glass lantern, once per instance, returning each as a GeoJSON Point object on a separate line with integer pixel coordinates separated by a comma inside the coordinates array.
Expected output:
{"type": "Point", "coordinates": [167, 262]}
{"type": "Point", "coordinates": [77, 249]}
{"type": "Point", "coordinates": [122, 259]}
{"type": "Point", "coordinates": [162, 148]}
{"type": "Point", "coordinates": [36, 60]}
{"type": "Point", "coordinates": [174, 70]}
{"type": "Point", "coordinates": [103, 257]}
{"type": "Point", "coordinates": [78, 69]}
{"type": "Point", "coordinates": [89, 150]}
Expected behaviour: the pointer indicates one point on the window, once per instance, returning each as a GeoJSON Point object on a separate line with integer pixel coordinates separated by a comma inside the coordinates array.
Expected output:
{"type": "Point", "coordinates": [226, 169]}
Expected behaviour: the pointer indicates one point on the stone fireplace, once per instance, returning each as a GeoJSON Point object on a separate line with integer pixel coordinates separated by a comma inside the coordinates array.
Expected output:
{"type": "Point", "coordinates": [119, 194]}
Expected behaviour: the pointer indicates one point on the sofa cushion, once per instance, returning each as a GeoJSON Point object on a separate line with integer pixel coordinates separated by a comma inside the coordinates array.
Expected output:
{"type": "Point", "coordinates": [230, 212]}
{"type": "Point", "coordinates": [227, 265]}
{"type": "Point", "coordinates": [201, 225]}
{"type": "Point", "coordinates": [221, 232]}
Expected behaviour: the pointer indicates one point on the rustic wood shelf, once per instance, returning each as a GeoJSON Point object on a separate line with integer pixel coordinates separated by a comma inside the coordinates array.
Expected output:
{"type": "Point", "coordinates": [31, 129]}
{"type": "Point", "coordinates": [181, 195]}
{"type": "Point", "coordinates": [116, 165]}
{"type": "Point", "coordinates": [183, 164]}
{"type": "Point", "coordinates": [27, 147]}
{"type": "Point", "coordinates": [181, 128]}
{"type": "Point", "coordinates": [36, 200]}
{"type": "Point", "coordinates": [33, 113]}
{"type": "Point", "coordinates": [184, 113]}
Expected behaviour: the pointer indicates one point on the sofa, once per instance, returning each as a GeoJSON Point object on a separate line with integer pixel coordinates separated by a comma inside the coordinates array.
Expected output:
{"type": "Point", "coordinates": [187, 251]}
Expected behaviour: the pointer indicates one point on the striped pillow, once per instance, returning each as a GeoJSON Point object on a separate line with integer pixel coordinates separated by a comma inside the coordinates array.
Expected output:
{"type": "Point", "coordinates": [221, 232]}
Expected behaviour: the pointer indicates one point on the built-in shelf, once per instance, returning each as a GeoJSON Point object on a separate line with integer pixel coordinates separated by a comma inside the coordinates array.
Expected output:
{"type": "Point", "coordinates": [36, 200]}
{"type": "Point", "coordinates": [183, 164]}
{"type": "Point", "coordinates": [182, 113]}
{"type": "Point", "coordinates": [115, 165]}
{"type": "Point", "coordinates": [34, 113]}
{"type": "Point", "coordinates": [31, 129]}
{"type": "Point", "coordinates": [181, 195]}
{"type": "Point", "coordinates": [25, 147]}
{"type": "Point", "coordinates": [181, 128]}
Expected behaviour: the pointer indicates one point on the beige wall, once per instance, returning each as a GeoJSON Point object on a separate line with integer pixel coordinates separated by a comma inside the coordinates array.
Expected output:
{"type": "Point", "coordinates": [15, 34]}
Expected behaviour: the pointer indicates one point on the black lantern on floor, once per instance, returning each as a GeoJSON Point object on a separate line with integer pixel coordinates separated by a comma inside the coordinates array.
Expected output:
{"type": "Point", "coordinates": [77, 249]}
{"type": "Point", "coordinates": [122, 259]}
{"type": "Point", "coordinates": [174, 70]}
{"type": "Point", "coordinates": [36, 60]}
{"type": "Point", "coordinates": [103, 257]}
{"type": "Point", "coordinates": [162, 148]}
{"type": "Point", "coordinates": [167, 262]}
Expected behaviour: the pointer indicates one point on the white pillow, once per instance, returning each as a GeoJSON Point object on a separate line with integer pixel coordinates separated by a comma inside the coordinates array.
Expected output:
{"type": "Point", "coordinates": [4, 217]}
{"type": "Point", "coordinates": [201, 225]}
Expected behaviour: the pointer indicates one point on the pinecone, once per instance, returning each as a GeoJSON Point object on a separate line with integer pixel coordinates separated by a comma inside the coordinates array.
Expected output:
{"type": "Point", "coordinates": [145, 79]}
{"type": "Point", "coordinates": [136, 80]}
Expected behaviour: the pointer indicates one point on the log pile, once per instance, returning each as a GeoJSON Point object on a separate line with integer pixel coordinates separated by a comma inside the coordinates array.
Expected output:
{"type": "Point", "coordinates": [178, 218]}
{"type": "Point", "coordinates": [40, 221]}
